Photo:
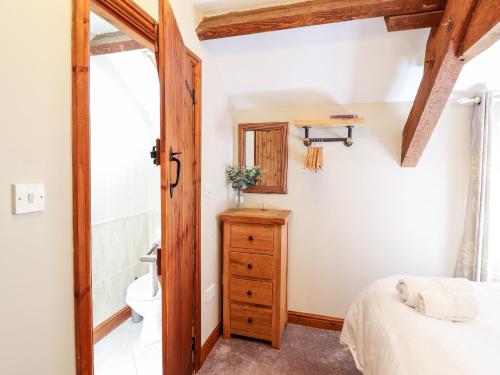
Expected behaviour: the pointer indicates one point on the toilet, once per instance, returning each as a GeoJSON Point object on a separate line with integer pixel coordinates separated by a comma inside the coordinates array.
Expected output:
{"type": "Point", "coordinates": [140, 299]}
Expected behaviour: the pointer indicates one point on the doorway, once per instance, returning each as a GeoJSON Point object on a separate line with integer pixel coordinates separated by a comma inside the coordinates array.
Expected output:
{"type": "Point", "coordinates": [160, 224]}
{"type": "Point", "coordinates": [125, 203]}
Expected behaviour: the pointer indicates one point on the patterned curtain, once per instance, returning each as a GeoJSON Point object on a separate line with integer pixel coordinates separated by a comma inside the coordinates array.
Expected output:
{"type": "Point", "coordinates": [474, 256]}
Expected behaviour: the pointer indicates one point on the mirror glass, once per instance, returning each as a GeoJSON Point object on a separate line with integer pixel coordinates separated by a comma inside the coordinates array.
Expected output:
{"type": "Point", "coordinates": [265, 145]}
{"type": "Point", "coordinates": [250, 148]}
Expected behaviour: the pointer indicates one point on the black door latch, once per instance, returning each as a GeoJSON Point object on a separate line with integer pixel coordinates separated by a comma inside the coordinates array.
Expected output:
{"type": "Point", "coordinates": [155, 153]}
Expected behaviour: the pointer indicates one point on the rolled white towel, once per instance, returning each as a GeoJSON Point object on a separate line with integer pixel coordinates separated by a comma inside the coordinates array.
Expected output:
{"type": "Point", "coordinates": [410, 286]}
{"type": "Point", "coordinates": [457, 307]}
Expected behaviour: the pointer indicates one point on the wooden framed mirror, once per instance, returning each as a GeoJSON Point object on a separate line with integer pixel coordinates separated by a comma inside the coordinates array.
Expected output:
{"type": "Point", "coordinates": [266, 145]}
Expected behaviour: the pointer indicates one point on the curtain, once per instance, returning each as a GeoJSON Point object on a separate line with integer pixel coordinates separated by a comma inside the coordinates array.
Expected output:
{"type": "Point", "coordinates": [479, 255]}
{"type": "Point", "coordinates": [493, 270]}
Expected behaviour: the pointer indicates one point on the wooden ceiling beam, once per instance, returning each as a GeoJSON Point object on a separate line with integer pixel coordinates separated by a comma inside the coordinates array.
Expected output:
{"type": "Point", "coordinates": [307, 13]}
{"type": "Point", "coordinates": [112, 43]}
{"type": "Point", "coordinates": [413, 21]}
{"type": "Point", "coordinates": [443, 65]}
{"type": "Point", "coordinates": [483, 30]}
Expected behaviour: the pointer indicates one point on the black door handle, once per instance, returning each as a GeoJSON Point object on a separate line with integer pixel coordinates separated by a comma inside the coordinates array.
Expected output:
{"type": "Point", "coordinates": [178, 162]}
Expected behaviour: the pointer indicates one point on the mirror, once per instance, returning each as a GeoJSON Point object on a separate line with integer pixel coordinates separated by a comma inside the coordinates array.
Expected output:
{"type": "Point", "coordinates": [266, 145]}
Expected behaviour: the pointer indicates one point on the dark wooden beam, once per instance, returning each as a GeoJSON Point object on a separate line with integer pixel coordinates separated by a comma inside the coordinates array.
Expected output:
{"type": "Point", "coordinates": [307, 13]}
{"type": "Point", "coordinates": [443, 65]}
{"type": "Point", "coordinates": [112, 43]}
{"type": "Point", "coordinates": [413, 21]}
{"type": "Point", "coordinates": [484, 29]}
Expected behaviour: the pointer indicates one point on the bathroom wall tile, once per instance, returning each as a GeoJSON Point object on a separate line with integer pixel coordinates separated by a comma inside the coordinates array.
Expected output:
{"type": "Point", "coordinates": [99, 303]}
{"type": "Point", "coordinates": [116, 249]}
{"type": "Point", "coordinates": [154, 219]}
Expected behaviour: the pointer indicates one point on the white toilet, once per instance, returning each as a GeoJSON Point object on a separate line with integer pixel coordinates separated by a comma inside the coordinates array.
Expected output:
{"type": "Point", "coordinates": [140, 299]}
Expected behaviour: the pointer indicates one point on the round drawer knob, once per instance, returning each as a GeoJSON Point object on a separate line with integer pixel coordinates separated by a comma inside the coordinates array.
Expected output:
{"type": "Point", "coordinates": [250, 266]}
{"type": "Point", "coordinates": [250, 320]}
{"type": "Point", "coordinates": [250, 238]}
{"type": "Point", "coordinates": [249, 293]}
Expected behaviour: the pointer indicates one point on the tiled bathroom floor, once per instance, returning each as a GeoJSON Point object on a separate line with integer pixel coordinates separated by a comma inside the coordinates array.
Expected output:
{"type": "Point", "coordinates": [121, 353]}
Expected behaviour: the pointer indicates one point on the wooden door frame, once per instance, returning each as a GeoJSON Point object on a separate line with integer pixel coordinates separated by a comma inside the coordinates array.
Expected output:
{"type": "Point", "coordinates": [136, 22]}
{"type": "Point", "coordinates": [197, 74]}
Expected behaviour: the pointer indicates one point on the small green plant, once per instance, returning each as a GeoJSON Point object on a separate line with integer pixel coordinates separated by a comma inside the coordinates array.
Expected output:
{"type": "Point", "coordinates": [243, 177]}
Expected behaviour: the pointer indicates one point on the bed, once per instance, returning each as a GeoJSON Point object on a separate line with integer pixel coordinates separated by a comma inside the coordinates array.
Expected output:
{"type": "Point", "coordinates": [386, 337]}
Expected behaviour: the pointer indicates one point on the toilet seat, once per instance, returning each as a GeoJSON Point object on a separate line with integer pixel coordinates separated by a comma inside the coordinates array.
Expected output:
{"type": "Point", "coordinates": [142, 289]}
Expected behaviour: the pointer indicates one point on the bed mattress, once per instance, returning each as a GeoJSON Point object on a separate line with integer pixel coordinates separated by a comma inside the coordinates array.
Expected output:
{"type": "Point", "coordinates": [386, 337]}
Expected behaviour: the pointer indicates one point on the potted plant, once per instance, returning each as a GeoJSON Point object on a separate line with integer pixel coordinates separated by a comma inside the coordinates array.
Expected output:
{"type": "Point", "coordinates": [240, 178]}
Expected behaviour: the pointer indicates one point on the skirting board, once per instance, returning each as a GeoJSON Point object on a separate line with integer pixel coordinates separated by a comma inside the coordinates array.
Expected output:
{"type": "Point", "coordinates": [207, 347]}
{"type": "Point", "coordinates": [111, 323]}
{"type": "Point", "coordinates": [316, 321]}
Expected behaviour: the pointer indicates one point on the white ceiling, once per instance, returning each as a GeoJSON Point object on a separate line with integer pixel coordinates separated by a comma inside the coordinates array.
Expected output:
{"type": "Point", "coordinates": [348, 62]}
{"type": "Point", "coordinates": [99, 25]}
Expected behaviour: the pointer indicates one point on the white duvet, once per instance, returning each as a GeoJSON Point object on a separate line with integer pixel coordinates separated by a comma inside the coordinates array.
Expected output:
{"type": "Point", "coordinates": [386, 337]}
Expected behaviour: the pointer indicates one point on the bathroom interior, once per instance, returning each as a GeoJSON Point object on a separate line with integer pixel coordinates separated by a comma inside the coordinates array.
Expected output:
{"type": "Point", "coordinates": [125, 206]}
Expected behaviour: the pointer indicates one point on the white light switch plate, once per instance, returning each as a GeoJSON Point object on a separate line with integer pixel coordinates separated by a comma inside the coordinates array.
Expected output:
{"type": "Point", "coordinates": [28, 198]}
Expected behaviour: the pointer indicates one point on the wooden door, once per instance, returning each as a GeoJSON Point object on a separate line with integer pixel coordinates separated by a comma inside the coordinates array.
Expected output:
{"type": "Point", "coordinates": [177, 196]}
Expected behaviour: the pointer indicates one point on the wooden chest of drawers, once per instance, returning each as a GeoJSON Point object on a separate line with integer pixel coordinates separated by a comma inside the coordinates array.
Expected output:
{"type": "Point", "coordinates": [255, 273]}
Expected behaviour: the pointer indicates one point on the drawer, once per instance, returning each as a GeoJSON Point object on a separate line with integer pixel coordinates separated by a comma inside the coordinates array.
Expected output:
{"type": "Point", "coordinates": [252, 237]}
{"type": "Point", "coordinates": [253, 265]}
{"type": "Point", "coordinates": [248, 291]}
{"type": "Point", "coordinates": [251, 319]}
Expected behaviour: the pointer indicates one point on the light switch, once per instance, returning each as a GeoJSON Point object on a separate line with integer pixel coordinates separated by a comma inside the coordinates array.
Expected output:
{"type": "Point", "coordinates": [28, 198]}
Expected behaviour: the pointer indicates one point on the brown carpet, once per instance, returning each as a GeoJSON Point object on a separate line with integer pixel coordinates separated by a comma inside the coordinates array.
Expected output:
{"type": "Point", "coordinates": [304, 350]}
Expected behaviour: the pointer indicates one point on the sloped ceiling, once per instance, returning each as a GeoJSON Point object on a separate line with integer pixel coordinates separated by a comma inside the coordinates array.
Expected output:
{"type": "Point", "coordinates": [136, 69]}
{"type": "Point", "coordinates": [100, 26]}
{"type": "Point", "coordinates": [144, 85]}
{"type": "Point", "coordinates": [349, 62]}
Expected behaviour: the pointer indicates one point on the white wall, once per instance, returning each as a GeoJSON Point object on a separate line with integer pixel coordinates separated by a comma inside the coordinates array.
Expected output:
{"type": "Point", "coordinates": [123, 176]}
{"type": "Point", "coordinates": [35, 145]}
{"type": "Point", "coordinates": [364, 217]}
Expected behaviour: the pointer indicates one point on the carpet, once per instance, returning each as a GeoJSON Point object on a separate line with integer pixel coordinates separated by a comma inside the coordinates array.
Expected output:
{"type": "Point", "coordinates": [304, 350]}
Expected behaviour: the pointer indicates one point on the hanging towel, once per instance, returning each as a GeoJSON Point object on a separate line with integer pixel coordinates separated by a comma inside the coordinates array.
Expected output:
{"type": "Point", "coordinates": [153, 268]}
{"type": "Point", "coordinates": [456, 307]}
{"type": "Point", "coordinates": [409, 287]}
{"type": "Point", "coordinates": [155, 281]}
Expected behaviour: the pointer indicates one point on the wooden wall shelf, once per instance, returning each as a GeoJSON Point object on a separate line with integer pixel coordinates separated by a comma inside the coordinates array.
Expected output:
{"type": "Point", "coordinates": [330, 123]}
